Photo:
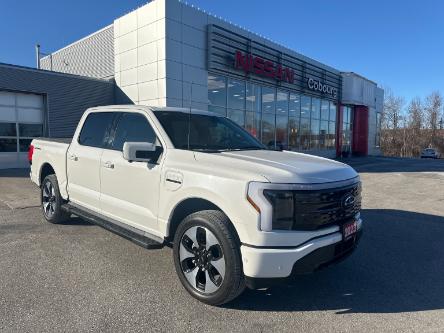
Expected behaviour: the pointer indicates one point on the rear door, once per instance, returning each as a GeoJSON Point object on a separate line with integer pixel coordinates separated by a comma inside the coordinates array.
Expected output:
{"type": "Point", "coordinates": [130, 190]}
{"type": "Point", "coordinates": [83, 160]}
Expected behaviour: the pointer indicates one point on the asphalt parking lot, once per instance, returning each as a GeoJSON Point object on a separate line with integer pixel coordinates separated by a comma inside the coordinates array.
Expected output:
{"type": "Point", "coordinates": [79, 277]}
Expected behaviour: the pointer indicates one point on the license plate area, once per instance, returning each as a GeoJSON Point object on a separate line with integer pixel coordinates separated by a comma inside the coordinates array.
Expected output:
{"type": "Point", "coordinates": [349, 230]}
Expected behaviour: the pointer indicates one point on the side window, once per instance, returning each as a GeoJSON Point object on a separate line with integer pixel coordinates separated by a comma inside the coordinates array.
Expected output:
{"type": "Point", "coordinates": [95, 128]}
{"type": "Point", "coordinates": [132, 127]}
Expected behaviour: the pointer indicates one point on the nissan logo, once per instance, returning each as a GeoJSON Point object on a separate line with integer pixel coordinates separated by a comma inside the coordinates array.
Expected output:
{"type": "Point", "coordinates": [349, 200]}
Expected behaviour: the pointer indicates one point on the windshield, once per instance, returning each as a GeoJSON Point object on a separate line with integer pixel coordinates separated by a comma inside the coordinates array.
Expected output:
{"type": "Point", "coordinates": [207, 132]}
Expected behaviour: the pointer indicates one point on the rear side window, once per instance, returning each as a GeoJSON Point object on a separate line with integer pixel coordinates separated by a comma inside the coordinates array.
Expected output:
{"type": "Point", "coordinates": [132, 127]}
{"type": "Point", "coordinates": [96, 128]}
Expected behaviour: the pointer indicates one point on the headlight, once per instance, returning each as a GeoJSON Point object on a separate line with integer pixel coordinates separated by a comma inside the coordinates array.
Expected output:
{"type": "Point", "coordinates": [282, 203]}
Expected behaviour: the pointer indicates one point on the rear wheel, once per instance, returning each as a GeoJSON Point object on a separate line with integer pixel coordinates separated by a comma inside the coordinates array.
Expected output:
{"type": "Point", "coordinates": [207, 257]}
{"type": "Point", "coordinates": [52, 201]}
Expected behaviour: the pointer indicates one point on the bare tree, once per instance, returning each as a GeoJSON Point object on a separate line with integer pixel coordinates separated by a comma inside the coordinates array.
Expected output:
{"type": "Point", "coordinates": [391, 136]}
{"type": "Point", "coordinates": [433, 109]}
{"type": "Point", "coordinates": [408, 133]}
{"type": "Point", "coordinates": [416, 114]}
{"type": "Point", "coordinates": [393, 106]}
{"type": "Point", "coordinates": [414, 141]}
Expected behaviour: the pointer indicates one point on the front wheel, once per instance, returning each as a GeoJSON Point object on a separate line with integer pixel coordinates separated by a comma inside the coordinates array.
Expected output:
{"type": "Point", "coordinates": [207, 257]}
{"type": "Point", "coordinates": [52, 200]}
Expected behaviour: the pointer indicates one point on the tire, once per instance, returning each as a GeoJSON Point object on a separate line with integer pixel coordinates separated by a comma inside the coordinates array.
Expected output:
{"type": "Point", "coordinates": [52, 201]}
{"type": "Point", "coordinates": [211, 273]}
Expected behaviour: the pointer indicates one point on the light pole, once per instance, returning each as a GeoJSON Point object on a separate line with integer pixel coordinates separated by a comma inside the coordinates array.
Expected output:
{"type": "Point", "coordinates": [37, 55]}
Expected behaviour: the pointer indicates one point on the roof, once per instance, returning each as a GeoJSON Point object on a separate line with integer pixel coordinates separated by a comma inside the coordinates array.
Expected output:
{"type": "Point", "coordinates": [44, 71]}
{"type": "Point", "coordinates": [78, 41]}
{"type": "Point", "coordinates": [358, 75]}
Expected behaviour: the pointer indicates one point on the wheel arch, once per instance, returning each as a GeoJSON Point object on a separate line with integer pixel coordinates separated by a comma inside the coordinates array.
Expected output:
{"type": "Point", "coordinates": [189, 206]}
{"type": "Point", "coordinates": [45, 170]}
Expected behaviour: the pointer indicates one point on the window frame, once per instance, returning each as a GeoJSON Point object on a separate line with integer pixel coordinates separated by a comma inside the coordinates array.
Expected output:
{"type": "Point", "coordinates": [107, 132]}
{"type": "Point", "coordinates": [116, 120]}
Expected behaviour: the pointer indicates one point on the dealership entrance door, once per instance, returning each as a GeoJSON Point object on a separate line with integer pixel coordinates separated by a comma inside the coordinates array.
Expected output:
{"type": "Point", "coordinates": [21, 120]}
{"type": "Point", "coordinates": [347, 128]}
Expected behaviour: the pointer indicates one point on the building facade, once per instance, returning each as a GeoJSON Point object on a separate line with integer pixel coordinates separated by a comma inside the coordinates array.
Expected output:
{"type": "Point", "coordinates": [168, 53]}
{"type": "Point", "coordinates": [36, 103]}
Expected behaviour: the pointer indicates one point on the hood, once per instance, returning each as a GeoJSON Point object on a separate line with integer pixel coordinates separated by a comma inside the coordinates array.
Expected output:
{"type": "Point", "coordinates": [281, 167]}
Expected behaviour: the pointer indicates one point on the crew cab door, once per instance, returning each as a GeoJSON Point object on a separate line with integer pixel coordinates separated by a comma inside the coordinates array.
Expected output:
{"type": "Point", "coordinates": [83, 159]}
{"type": "Point", "coordinates": [130, 190]}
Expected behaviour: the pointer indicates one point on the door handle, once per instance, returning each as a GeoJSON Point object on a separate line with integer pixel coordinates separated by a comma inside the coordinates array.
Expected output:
{"type": "Point", "coordinates": [73, 157]}
{"type": "Point", "coordinates": [108, 165]}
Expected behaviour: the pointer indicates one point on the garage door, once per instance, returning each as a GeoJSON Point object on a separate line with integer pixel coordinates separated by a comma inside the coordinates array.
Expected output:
{"type": "Point", "coordinates": [21, 119]}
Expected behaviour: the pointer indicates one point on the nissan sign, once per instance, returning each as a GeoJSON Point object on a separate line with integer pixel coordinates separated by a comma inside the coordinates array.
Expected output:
{"type": "Point", "coordinates": [317, 85]}
{"type": "Point", "coordinates": [262, 67]}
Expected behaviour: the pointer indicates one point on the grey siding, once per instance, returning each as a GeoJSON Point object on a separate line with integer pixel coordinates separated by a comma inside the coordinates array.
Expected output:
{"type": "Point", "coordinates": [67, 96]}
{"type": "Point", "coordinates": [92, 56]}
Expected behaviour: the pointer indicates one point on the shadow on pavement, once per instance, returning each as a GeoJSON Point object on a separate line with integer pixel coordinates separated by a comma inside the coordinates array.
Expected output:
{"type": "Point", "coordinates": [393, 164]}
{"type": "Point", "coordinates": [397, 267]}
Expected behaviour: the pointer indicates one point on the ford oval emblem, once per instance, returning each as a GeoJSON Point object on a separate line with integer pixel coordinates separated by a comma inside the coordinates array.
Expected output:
{"type": "Point", "coordinates": [349, 200]}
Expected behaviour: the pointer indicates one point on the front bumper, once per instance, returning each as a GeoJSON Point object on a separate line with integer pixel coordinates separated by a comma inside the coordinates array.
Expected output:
{"type": "Point", "coordinates": [266, 266]}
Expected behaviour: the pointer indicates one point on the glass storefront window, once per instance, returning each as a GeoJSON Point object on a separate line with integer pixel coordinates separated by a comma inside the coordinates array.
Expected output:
{"type": "Point", "coordinates": [279, 118]}
{"type": "Point", "coordinates": [315, 108]}
{"type": "Point", "coordinates": [325, 108]}
{"type": "Point", "coordinates": [281, 102]}
{"type": "Point", "coordinates": [323, 134]}
{"type": "Point", "coordinates": [218, 109]}
{"type": "Point", "coordinates": [268, 100]}
{"type": "Point", "coordinates": [293, 133]}
{"type": "Point", "coordinates": [217, 90]}
{"type": "Point", "coordinates": [347, 128]}
{"type": "Point", "coordinates": [294, 105]}
{"type": "Point", "coordinates": [305, 106]}
{"type": "Point", "coordinates": [314, 126]}
{"type": "Point", "coordinates": [281, 132]}
{"type": "Point", "coordinates": [331, 141]}
{"type": "Point", "coordinates": [305, 134]}
{"type": "Point", "coordinates": [347, 115]}
{"type": "Point", "coordinates": [268, 128]}
{"type": "Point", "coordinates": [237, 116]}
{"type": "Point", "coordinates": [252, 123]}
{"type": "Point", "coordinates": [253, 99]}
{"type": "Point", "coordinates": [236, 94]}
{"type": "Point", "coordinates": [332, 116]}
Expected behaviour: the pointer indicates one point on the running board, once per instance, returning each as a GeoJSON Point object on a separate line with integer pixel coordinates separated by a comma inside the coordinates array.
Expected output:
{"type": "Point", "coordinates": [137, 236]}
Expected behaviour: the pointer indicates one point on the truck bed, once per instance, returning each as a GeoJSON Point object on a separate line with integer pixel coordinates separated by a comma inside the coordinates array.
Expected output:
{"type": "Point", "coordinates": [51, 153]}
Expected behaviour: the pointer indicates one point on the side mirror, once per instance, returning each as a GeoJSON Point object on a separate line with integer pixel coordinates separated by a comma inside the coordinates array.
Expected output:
{"type": "Point", "coordinates": [141, 152]}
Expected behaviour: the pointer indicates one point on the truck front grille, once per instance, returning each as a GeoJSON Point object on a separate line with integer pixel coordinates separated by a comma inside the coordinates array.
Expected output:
{"type": "Point", "coordinates": [322, 208]}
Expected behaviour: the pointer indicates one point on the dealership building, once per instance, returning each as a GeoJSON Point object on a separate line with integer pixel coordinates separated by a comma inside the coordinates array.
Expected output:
{"type": "Point", "coordinates": [168, 53]}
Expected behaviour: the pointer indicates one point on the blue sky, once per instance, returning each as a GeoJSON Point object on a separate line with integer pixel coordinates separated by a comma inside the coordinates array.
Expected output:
{"type": "Point", "coordinates": [399, 44]}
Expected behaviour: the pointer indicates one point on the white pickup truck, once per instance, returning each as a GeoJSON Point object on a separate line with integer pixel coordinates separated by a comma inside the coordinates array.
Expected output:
{"type": "Point", "coordinates": [235, 213]}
